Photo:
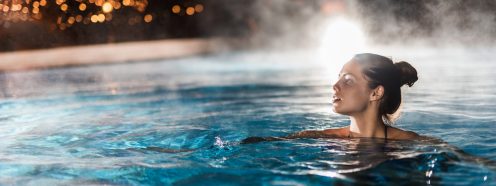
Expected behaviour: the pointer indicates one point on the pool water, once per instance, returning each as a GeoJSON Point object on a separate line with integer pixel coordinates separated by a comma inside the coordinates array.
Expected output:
{"type": "Point", "coordinates": [180, 121]}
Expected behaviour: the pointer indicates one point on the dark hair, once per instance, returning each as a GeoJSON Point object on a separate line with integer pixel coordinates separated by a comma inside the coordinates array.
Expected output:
{"type": "Point", "coordinates": [380, 70]}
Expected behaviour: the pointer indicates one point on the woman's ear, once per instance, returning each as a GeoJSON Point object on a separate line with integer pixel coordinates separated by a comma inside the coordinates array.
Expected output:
{"type": "Point", "coordinates": [377, 93]}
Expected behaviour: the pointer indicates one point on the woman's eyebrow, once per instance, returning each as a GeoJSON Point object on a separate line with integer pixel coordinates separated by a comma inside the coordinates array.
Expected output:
{"type": "Point", "coordinates": [342, 74]}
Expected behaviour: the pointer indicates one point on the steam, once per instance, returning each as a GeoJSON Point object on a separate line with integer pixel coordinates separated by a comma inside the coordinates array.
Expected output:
{"type": "Point", "coordinates": [300, 24]}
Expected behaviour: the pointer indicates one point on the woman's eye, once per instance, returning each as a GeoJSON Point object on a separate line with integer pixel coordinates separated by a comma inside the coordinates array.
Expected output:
{"type": "Point", "coordinates": [348, 80]}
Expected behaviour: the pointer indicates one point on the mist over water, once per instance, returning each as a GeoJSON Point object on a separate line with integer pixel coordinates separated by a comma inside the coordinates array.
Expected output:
{"type": "Point", "coordinates": [287, 24]}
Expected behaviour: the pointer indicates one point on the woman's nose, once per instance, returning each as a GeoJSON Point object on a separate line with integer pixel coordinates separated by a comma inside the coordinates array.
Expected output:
{"type": "Point", "coordinates": [335, 87]}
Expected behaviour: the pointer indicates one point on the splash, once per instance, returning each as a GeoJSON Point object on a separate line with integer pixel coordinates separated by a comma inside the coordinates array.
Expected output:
{"type": "Point", "coordinates": [219, 143]}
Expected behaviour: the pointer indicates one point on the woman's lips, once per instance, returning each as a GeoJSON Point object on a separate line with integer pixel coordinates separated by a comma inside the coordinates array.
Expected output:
{"type": "Point", "coordinates": [336, 99]}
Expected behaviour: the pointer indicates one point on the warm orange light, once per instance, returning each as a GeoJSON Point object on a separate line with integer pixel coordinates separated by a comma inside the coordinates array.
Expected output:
{"type": "Point", "coordinates": [35, 10]}
{"type": "Point", "coordinates": [117, 5]}
{"type": "Point", "coordinates": [190, 10]}
{"type": "Point", "coordinates": [6, 8]}
{"type": "Point", "coordinates": [36, 4]}
{"type": "Point", "coordinates": [107, 7]}
{"type": "Point", "coordinates": [199, 8]}
{"type": "Point", "coordinates": [79, 18]}
{"type": "Point", "coordinates": [99, 2]}
{"type": "Point", "coordinates": [16, 7]}
{"type": "Point", "coordinates": [148, 18]}
{"type": "Point", "coordinates": [94, 18]}
{"type": "Point", "coordinates": [71, 20]}
{"type": "Point", "coordinates": [101, 18]}
{"type": "Point", "coordinates": [176, 9]}
{"type": "Point", "coordinates": [25, 10]}
{"type": "Point", "coordinates": [63, 7]}
{"type": "Point", "coordinates": [43, 2]}
{"type": "Point", "coordinates": [82, 7]}
{"type": "Point", "coordinates": [126, 2]}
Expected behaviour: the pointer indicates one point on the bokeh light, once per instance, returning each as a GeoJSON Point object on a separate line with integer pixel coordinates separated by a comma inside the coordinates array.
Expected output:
{"type": "Point", "coordinates": [190, 10]}
{"type": "Point", "coordinates": [148, 18]}
{"type": "Point", "coordinates": [107, 7]}
{"type": "Point", "coordinates": [82, 7]}
{"type": "Point", "coordinates": [176, 9]}
{"type": "Point", "coordinates": [87, 11]}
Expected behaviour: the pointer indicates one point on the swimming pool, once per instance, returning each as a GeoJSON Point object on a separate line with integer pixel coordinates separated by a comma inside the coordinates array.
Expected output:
{"type": "Point", "coordinates": [179, 122]}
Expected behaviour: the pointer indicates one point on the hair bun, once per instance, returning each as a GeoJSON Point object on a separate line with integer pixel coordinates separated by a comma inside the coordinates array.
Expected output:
{"type": "Point", "coordinates": [407, 72]}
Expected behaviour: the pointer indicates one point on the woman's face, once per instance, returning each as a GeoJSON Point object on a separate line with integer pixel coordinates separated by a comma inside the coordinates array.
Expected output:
{"type": "Point", "coordinates": [351, 91]}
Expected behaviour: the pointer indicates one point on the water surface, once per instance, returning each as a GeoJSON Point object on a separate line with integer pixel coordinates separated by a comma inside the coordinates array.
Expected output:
{"type": "Point", "coordinates": [180, 122]}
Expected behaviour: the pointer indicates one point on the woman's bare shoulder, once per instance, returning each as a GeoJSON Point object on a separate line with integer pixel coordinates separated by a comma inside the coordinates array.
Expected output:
{"type": "Point", "coordinates": [338, 132]}
{"type": "Point", "coordinates": [397, 133]}
{"type": "Point", "coordinates": [328, 133]}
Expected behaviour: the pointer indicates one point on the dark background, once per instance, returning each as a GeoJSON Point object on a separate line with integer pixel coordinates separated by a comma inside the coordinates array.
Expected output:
{"type": "Point", "coordinates": [385, 21]}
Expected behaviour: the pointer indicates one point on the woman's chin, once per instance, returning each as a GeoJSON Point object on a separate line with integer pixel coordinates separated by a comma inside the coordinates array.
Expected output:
{"type": "Point", "coordinates": [334, 109]}
{"type": "Point", "coordinates": [339, 110]}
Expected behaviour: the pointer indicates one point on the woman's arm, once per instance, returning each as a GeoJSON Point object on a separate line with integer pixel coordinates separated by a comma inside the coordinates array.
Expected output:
{"type": "Point", "coordinates": [311, 134]}
{"type": "Point", "coordinates": [302, 134]}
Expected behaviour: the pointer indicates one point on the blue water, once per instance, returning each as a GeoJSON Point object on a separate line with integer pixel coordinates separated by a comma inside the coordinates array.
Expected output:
{"type": "Point", "coordinates": [180, 121]}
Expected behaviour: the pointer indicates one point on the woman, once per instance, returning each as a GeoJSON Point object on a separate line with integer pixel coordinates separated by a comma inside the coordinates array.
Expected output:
{"type": "Point", "coordinates": [368, 91]}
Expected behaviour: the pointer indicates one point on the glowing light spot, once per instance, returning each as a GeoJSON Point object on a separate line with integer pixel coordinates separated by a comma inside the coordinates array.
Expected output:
{"type": "Point", "coordinates": [94, 18]}
{"type": "Point", "coordinates": [25, 10]}
{"type": "Point", "coordinates": [101, 18]}
{"type": "Point", "coordinates": [43, 2]}
{"type": "Point", "coordinates": [18, 7]}
{"type": "Point", "coordinates": [341, 40]}
{"type": "Point", "coordinates": [126, 2]}
{"type": "Point", "coordinates": [71, 20]}
{"type": "Point", "coordinates": [36, 4]}
{"type": "Point", "coordinates": [148, 18]}
{"type": "Point", "coordinates": [15, 7]}
{"type": "Point", "coordinates": [176, 9]}
{"type": "Point", "coordinates": [6, 8]}
{"type": "Point", "coordinates": [79, 18]}
{"type": "Point", "coordinates": [35, 10]}
{"type": "Point", "coordinates": [82, 7]}
{"type": "Point", "coordinates": [117, 5]}
{"type": "Point", "coordinates": [190, 10]}
{"type": "Point", "coordinates": [64, 7]}
{"type": "Point", "coordinates": [59, 1]}
{"type": "Point", "coordinates": [107, 7]}
{"type": "Point", "coordinates": [99, 2]}
{"type": "Point", "coordinates": [199, 8]}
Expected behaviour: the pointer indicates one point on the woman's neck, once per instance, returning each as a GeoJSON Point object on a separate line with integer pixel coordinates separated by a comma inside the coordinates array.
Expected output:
{"type": "Point", "coordinates": [366, 125]}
